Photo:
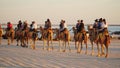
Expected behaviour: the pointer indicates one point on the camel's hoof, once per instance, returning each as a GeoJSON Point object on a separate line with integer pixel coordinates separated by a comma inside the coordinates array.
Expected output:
{"type": "Point", "coordinates": [98, 55]}
{"type": "Point", "coordinates": [86, 53]}
{"type": "Point", "coordinates": [78, 52]}
{"type": "Point", "coordinates": [26, 46]}
{"type": "Point", "coordinates": [106, 56]}
{"type": "Point", "coordinates": [102, 54]}
{"type": "Point", "coordinates": [44, 48]}
{"type": "Point", "coordinates": [48, 49]}
{"type": "Point", "coordinates": [60, 50]}
{"type": "Point", "coordinates": [52, 48]}
{"type": "Point", "coordinates": [8, 43]}
{"type": "Point", "coordinates": [92, 54]}
{"type": "Point", "coordinates": [33, 47]}
{"type": "Point", "coordinates": [64, 50]}
{"type": "Point", "coordinates": [70, 50]}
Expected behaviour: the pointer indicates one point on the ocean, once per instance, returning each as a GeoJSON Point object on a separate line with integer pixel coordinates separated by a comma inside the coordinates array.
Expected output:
{"type": "Point", "coordinates": [111, 28]}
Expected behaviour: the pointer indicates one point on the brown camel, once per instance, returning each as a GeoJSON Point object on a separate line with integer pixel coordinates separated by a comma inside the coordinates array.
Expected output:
{"type": "Point", "coordinates": [47, 35]}
{"type": "Point", "coordinates": [75, 36]}
{"type": "Point", "coordinates": [10, 35]}
{"type": "Point", "coordinates": [63, 37]}
{"type": "Point", "coordinates": [92, 36]}
{"type": "Point", "coordinates": [82, 38]}
{"type": "Point", "coordinates": [103, 40]}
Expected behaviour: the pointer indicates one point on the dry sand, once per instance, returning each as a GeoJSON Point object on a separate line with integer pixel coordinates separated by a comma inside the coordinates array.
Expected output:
{"type": "Point", "coordinates": [12, 56]}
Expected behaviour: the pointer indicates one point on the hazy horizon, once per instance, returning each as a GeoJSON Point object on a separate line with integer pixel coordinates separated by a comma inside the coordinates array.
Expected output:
{"type": "Point", "coordinates": [55, 10]}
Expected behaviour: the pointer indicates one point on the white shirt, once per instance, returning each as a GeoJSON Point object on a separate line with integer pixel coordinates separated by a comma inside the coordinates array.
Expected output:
{"type": "Point", "coordinates": [65, 26]}
{"type": "Point", "coordinates": [34, 26]}
{"type": "Point", "coordinates": [105, 25]}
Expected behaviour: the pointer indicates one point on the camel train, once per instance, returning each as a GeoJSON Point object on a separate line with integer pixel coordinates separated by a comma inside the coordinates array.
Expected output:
{"type": "Point", "coordinates": [64, 38]}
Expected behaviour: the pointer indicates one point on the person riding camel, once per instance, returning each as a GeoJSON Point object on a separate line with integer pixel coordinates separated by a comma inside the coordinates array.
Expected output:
{"type": "Point", "coordinates": [80, 28]}
{"type": "Point", "coordinates": [100, 28]}
{"type": "Point", "coordinates": [77, 25]}
{"type": "Point", "coordinates": [33, 26]}
{"type": "Point", "coordinates": [105, 26]}
{"type": "Point", "coordinates": [19, 25]}
{"type": "Point", "coordinates": [9, 26]}
{"type": "Point", "coordinates": [95, 25]}
{"type": "Point", "coordinates": [24, 27]}
{"type": "Point", "coordinates": [62, 26]}
{"type": "Point", "coordinates": [47, 26]}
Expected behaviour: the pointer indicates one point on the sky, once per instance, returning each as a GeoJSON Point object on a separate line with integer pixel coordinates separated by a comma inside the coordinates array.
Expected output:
{"type": "Point", "coordinates": [55, 10]}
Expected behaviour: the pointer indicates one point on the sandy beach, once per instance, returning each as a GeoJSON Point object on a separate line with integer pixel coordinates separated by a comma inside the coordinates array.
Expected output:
{"type": "Point", "coordinates": [12, 56]}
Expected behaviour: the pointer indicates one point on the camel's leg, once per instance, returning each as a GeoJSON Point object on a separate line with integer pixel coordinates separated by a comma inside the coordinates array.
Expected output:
{"type": "Point", "coordinates": [75, 44]}
{"type": "Point", "coordinates": [21, 42]}
{"type": "Point", "coordinates": [98, 50]}
{"type": "Point", "coordinates": [44, 46]}
{"type": "Point", "coordinates": [17, 42]}
{"type": "Point", "coordinates": [78, 48]}
{"type": "Point", "coordinates": [81, 47]}
{"type": "Point", "coordinates": [12, 39]}
{"type": "Point", "coordinates": [8, 41]}
{"type": "Point", "coordinates": [0, 40]}
{"type": "Point", "coordinates": [33, 44]}
{"type": "Point", "coordinates": [102, 49]}
{"type": "Point", "coordinates": [64, 46]}
{"type": "Point", "coordinates": [52, 45]}
{"type": "Point", "coordinates": [69, 46]}
{"type": "Point", "coordinates": [106, 51]}
{"type": "Point", "coordinates": [28, 41]}
{"type": "Point", "coordinates": [86, 48]}
{"type": "Point", "coordinates": [60, 46]}
{"type": "Point", "coordinates": [48, 45]}
{"type": "Point", "coordinates": [92, 49]}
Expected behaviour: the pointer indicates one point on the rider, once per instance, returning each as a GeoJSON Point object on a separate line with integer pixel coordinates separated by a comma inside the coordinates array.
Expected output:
{"type": "Point", "coordinates": [33, 26]}
{"type": "Point", "coordinates": [100, 29]}
{"type": "Point", "coordinates": [80, 28]}
{"type": "Point", "coordinates": [62, 25]}
{"type": "Point", "coordinates": [105, 26]}
{"type": "Point", "coordinates": [95, 25]}
{"type": "Point", "coordinates": [9, 26]}
{"type": "Point", "coordinates": [19, 25]}
{"type": "Point", "coordinates": [77, 25]}
{"type": "Point", "coordinates": [47, 26]}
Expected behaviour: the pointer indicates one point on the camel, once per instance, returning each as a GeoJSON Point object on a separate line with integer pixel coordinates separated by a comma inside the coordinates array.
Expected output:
{"type": "Point", "coordinates": [20, 36]}
{"type": "Point", "coordinates": [63, 37]}
{"type": "Point", "coordinates": [103, 40]}
{"type": "Point", "coordinates": [25, 36]}
{"type": "Point", "coordinates": [92, 36]}
{"type": "Point", "coordinates": [47, 35]}
{"type": "Point", "coordinates": [10, 35]}
{"type": "Point", "coordinates": [75, 36]}
{"type": "Point", "coordinates": [81, 38]}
